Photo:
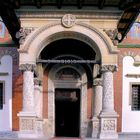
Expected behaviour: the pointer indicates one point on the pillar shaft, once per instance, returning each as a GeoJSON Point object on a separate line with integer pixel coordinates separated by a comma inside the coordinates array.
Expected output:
{"type": "Point", "coordinates": [28, 91]}
{"type": "Point", "coordinates": [97, 106]}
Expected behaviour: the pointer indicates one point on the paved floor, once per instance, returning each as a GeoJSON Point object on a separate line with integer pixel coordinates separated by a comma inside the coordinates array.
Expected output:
{"type": "Point", "coordinates": [14, 136]}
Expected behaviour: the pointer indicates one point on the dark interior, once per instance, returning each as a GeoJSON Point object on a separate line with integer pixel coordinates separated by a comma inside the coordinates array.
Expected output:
{"type": "Point", "coordinates": [67, 112]}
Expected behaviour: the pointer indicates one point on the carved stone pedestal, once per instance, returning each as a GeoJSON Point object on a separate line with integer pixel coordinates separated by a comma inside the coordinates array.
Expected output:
{"type": "Point", "coordinates": [27, 125]}
{"type": "Point", "coordinates": [108, 126]}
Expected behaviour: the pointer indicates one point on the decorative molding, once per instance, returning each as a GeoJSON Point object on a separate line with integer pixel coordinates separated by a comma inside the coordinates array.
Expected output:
{"type": "Point", "coordinates": [23, 33]}
{"type": "Point", "coordinates": [68, 20]}
{"type": "Point", "coordinates": [80, 14]}
{"type": "Point", "coordinates": [10, 52]}
{"type": "Point", "coordinates": [27, 67]}
{"type": "Point", "coordinates": [133, 75]}
{"type": "Point", "coordinates": [4, 73]}
{"type": "Point", "coordinates": [107, 68]}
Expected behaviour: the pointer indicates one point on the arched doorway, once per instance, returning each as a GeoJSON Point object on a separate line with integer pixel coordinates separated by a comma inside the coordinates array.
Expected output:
{"type": "Point", "coordinates": [68, 80]}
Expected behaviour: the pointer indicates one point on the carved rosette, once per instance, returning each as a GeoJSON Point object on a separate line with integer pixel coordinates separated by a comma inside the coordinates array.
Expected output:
{"type": "Point", "coordinates": [109, 68]}
{"type": "Point", "coordinates": [27, 67]}
{"type": "Point", "coordinates": [68, 20]}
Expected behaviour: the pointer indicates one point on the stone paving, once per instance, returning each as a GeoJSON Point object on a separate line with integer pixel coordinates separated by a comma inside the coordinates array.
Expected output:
{"type": "Point", "coordinates": [8, 135]}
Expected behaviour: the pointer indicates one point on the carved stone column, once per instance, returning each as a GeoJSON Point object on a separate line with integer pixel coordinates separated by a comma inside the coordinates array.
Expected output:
{"type": "Point", "coordinates": [97, 106]}
{"type": "Point", "coordinates": [108, 116]}
{"type": "Point", "coordinates": [38, 107]}
{"type": "Point", "coordinates": [27, 115]}
{"type": "Point", "coordinates": [38, 97]}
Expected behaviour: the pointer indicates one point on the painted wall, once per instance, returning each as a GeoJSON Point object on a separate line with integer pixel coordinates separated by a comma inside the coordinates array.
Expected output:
{"type": "Point", "coordinates": [130, 119]}
{"type": "Point", "coordinates": [6, 113]}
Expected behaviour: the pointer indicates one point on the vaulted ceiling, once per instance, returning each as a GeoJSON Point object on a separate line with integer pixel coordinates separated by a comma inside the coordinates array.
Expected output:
{"type": "Point", "coordinates": [130, 10]}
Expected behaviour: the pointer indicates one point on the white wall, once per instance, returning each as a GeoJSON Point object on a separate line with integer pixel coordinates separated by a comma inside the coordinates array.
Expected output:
{"type": "Point", "coordinates": [6, 113]}
{"type": "Point", "coordinates": [130, 119]}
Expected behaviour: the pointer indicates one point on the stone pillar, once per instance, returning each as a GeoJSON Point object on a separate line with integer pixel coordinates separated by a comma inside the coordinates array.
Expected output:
{"type": "Point", "coordinates": [38, 107]}
{"type": "Point", "coordinates": [27, 115]}
{"type": "Point", "coordinates": [97, 106]}
{"type": "Point", "coordinates": [108, 116]}
{"type": "Point", "coordinates": [38, 97]}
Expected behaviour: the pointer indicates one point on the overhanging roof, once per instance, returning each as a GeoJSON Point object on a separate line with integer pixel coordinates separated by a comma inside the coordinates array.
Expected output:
{"type": "Point", "coordinates": [130, 10]}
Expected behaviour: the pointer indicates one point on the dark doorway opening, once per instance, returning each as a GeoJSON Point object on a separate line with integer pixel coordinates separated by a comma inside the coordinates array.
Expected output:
{"type": "Point", "coordinates": [67, 112]}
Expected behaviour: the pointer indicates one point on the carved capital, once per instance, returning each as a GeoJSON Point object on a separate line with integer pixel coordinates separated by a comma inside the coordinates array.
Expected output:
{"type": "Point", "coordinates": [97, 82]}
{"type": "Point", "coordinates": [37, 82]}
{"type": "Point", "coordinates": [107, 68]}
{"type": "Point", "coordinates": [27, 67]}
{"type": "Point", "coordinates": [23, 33]}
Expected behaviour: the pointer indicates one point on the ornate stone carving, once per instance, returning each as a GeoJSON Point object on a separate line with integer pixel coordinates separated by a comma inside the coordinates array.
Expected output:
{"type": "Point", "coordinates": [27, 124]}
{"type": "Point", "coordinates": [111, 68]}
{"type": "Point", "coordinates": [97, 82]}
{"type": "Point", "coordinates": [37, 82]}
{"type": "Point", "coordinates": [114, 35]}
{"type": "Point", "coordinates": [27, 67]}
{"type": "Point", "coordinates": [68, 20]}
{"type": "Point", "coordinates": [23, 33]}
{"type": "Point", "coordinates": [109, 125]}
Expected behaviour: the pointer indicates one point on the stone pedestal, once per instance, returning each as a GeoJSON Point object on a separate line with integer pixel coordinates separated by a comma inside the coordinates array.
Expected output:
{"type": "Point", "coordinates": [108, 116]}
{"type": "Point", "coordinates": [27, 125]}
{"type": "Point", "coordinates": [108, 126]}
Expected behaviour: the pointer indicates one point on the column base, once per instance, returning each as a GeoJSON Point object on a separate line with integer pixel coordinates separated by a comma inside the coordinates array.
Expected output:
{"type": "Point", "coordinates": [95, 127]}
{"type": "Point", "coordinates": [108, 125]}
{"type": "Point", "coordinates": [27, 125]}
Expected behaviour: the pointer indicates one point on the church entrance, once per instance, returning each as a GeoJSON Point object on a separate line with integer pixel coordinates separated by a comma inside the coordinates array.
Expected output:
{"type": "Point", "coordinates": [67, 112]}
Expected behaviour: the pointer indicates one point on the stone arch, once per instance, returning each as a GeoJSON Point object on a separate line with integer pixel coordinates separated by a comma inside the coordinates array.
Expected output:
{"type": "Point", "coordinates": [10, 53]}
{"type": "Point", "coordinates": [40, 38]}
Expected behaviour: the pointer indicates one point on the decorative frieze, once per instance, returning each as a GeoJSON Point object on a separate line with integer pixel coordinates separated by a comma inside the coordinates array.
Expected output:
{"type": "Point", "coordinates": [27, 67]}
{"type": "Point", "coordinates": [109, 68]}
{"type": "Point", "coordinates": [23, 33]}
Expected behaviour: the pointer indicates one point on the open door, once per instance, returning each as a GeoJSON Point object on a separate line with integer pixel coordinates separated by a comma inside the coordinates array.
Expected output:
{"type": "Point", "coordinates": [67, 112]}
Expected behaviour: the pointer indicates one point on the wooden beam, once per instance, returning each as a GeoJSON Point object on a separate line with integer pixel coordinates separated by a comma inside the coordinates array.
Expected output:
{"type": "Point", "coordinates": [131, 12]}
{"type": "Point", "coordinates": [101, 4]}
{"type": "Point", "coordinates": [9, 18]}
